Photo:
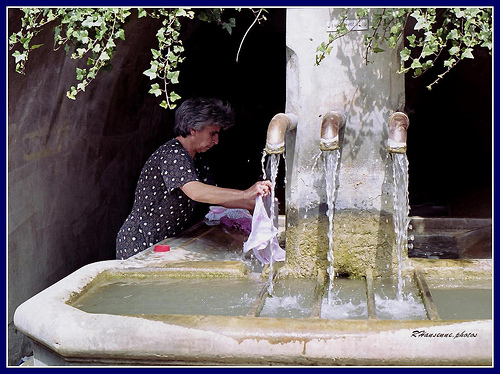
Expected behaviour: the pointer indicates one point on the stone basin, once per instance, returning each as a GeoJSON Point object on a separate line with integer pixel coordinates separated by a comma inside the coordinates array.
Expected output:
{"type": "Point", "coordinates": [451, 238]}
{"type": "Point", "coordinates": [63, 334]}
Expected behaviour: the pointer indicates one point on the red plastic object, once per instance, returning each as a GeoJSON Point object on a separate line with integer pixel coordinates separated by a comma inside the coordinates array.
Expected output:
{"type": "Point", "coordinates": [162, 248]}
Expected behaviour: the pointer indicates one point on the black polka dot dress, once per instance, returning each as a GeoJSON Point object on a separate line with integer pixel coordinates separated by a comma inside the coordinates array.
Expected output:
{"type": "Point", "coordinates": [161, 209]}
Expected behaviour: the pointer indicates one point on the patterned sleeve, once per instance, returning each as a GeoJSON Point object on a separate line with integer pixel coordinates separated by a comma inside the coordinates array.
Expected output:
{"type": "Point", "coordinates": [177, 169]}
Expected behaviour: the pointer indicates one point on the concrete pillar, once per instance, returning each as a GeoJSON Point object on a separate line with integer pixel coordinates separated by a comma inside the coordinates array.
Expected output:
{"type": "Point", "coordinates": [366, 94]}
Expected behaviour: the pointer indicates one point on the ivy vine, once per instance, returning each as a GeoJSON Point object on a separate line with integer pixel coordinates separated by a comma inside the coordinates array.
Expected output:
{"type": "Point", "coordinates": [90, 34]}
{"type": "Point", "coordinates": [453, 33]}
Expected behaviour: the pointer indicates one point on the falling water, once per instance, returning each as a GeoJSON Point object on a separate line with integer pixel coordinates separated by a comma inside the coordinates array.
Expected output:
{"type": "Point", "coordinates": [272, 165]}
{"type": "Point", "coordinates": [263, 163]}
{"type": "Point", "coordinates": [401, 211]}
{"type": "Point", "coordinates": [331, 165]}
{"type": "Point", "coordinates": [315, 159]}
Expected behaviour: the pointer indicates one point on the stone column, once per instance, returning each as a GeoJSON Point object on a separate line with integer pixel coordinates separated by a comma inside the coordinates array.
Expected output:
{"type": "Point", "coordinates": [366, 94]}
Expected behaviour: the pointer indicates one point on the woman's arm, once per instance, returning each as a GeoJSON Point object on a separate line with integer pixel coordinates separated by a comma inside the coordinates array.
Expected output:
{"type": "Point", "coordinates": [226, 197]}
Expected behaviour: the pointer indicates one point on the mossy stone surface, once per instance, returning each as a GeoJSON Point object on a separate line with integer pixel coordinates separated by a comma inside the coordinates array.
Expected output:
{"type": "Point", "coordinates": [361, 240]}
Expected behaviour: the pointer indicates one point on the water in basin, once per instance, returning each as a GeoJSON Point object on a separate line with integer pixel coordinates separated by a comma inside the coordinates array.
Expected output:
{"type": "Point", "coordinates": [194, 296]}
{"type": "Point", "coordinates": [291, 298]}
{"type": "Point", "coordinates": [347, 300]}
{"type": "Point", "coordinates": [390, 303]}
{"type": "Point", "coordinates": [463, 303]}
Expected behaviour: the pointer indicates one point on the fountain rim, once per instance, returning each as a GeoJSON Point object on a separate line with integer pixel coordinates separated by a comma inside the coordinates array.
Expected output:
{"type": "Point", "coordinates": [266, 339]}
{"type": "Point", "coordinates": [72, 339]}
{"type": "Point", "coordinates": [283, 340]}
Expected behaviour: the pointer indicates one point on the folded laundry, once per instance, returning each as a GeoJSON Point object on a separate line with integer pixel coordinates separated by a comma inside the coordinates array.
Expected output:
{"type": "Point", "coordinates": [239, 219]}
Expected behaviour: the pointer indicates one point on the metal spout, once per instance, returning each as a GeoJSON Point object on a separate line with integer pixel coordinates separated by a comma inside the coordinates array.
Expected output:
{"type": "Point", "coordinates": [398, 126]}
{"type": "Point", "coordinates": [280, 124]}
{"type": "Point", "coordinates": [330, 126]}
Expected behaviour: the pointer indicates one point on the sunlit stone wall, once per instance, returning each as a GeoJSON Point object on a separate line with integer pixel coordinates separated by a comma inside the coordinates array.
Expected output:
{"type": "Point", "coordinates": [366, 94]}
{"type": "Point", "coordinates": [69, 162]}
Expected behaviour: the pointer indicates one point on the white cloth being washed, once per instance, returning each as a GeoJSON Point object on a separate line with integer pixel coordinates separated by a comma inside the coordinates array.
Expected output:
{"type": "Point", "coordinates": [263, 237]}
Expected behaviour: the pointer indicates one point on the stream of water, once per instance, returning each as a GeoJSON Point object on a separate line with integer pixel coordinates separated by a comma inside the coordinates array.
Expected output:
{"type": "Point", "coordinates": [401, 212]}
{"type": "Point", "coordinates": [331, 166]}
{"type": "Point", "coordinates": [272, 165]}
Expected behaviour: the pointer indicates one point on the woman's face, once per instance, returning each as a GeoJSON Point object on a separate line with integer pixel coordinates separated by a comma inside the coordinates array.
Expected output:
{"type": "Point", "coordinates": [205, 139]}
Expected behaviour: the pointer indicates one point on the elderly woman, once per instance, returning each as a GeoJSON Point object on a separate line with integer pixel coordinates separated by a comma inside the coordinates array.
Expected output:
{"type": "Point", "coordinates": [174, 178]}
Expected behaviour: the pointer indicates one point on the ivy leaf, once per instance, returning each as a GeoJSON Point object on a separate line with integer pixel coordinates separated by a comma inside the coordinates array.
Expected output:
{"type": "Point", "coordinates": [172, 57]}
{"type": "Point", "coordinates": [421, 23]}
{"type": "Point", "coordinates": [120, 34]}
{"type": "Point", "coordinates": [427, 51]}
{"type": "Point", "coordinates": [405, 54]}
{"type": "Point", "coordinates": [427, 64]}
{"type": "Point", "coordinates": [79, 52]}
{"type": "Point", "coordinates": [71, 93]}
{"type": "Point", "coordinates": [180, 12]}
{"type": "Point", "coordinates": [486, 44]}
{"type": "Point", "coordinates": [174, 96]}
{"type": "Point", "coordinates": [411, 39]}
{"type": "Point", "coordinates": [92, 73]}
{"type": "Point", "coordinates": [173, 76]}
{"type": "Point", "coordinates": [467, 53]}
{"type": "Point", "coordinates": [89, 22]}
{"type": "Point", "coordinates": [449, 63]}
{"type": "Point", "coordinates": [80, 74]}
{"type": "Point", "coordinates": [156, 54]}
{"type": "Point", "coordinates": [416, 64]}
{"type": "Point", "coordinates": [18, 56]}
{"type": "Point", "coordinates": [228, 26]}
{"type": "Point", "coordinates": [395, 29]}
{"type": "Point", "coordinates": [453, 34]}
{"type": "Point", "coordinates": [104, 56]}
{"type": "Point", "coordinates": [151, 72]}
{"type": "Point", "coordinates": [459, 13]}
{"type": "Point", "coordinates": [155, 90]}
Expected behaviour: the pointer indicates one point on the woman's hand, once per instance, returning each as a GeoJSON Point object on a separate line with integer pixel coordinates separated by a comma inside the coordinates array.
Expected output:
{"type": "Point", "coordinates": [262, 188]}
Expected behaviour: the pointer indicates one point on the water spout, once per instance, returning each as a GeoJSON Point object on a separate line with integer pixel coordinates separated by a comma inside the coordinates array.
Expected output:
{"type": "Point", "coordinates": [329, 145]}
{"type": "Point", "coordinates": [398, 125]}
{"type": "Point", "coordinates": [280, 124]}
{"type": "Point", "coordinates": [330, 126]}
{"type": "Point", "coordinates": [275, 146]}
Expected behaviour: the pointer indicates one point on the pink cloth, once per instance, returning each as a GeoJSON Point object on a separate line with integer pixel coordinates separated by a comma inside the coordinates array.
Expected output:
{"type": "Point", "coordinates": [263, 237]}
{"type": "Point", "coordinates": [243, 224]}
{"type": "Point", "coordinates": [239, 219]}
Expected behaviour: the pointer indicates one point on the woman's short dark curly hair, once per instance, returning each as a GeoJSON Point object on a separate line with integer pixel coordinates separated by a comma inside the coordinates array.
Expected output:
{"type": "Point", "coordinates": [198, 113]}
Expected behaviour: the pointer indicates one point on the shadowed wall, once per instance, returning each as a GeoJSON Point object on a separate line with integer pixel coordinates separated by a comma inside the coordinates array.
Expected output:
{"type": "Point", "coordinates": [73, 165]}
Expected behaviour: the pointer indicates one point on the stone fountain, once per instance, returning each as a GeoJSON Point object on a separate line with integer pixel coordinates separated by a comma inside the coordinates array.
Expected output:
{"type": "Point", "coordinates": [205, 303]}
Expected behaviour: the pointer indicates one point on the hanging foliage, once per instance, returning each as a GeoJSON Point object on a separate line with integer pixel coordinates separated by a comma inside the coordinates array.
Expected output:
{"type": "Point", "coordinates": [91, 35]}
{"type": "Point", "coordinates": [452, 33]}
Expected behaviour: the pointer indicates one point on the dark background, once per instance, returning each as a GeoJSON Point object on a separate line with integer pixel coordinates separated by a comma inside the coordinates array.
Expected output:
{"type": "Point", "coordinates": [450, 133]}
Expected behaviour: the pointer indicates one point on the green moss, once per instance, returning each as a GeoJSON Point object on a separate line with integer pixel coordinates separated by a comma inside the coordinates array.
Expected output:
{"type": "Point", "coordinates": [361, 240]}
